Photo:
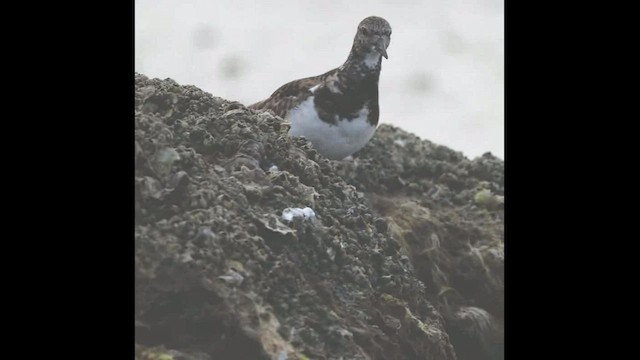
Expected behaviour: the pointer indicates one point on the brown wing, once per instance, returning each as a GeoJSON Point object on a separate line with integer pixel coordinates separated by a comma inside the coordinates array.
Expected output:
{"type": "Point", "coordinates": [289, 95]}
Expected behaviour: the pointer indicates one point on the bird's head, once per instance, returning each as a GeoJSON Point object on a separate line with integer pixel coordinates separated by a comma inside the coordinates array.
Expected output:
{"type": "Point", "coordinates": [374, 35]}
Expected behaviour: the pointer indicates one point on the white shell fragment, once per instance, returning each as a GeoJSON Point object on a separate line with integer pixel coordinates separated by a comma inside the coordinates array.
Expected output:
{"type": "Point", "coordinates": [290, 213]}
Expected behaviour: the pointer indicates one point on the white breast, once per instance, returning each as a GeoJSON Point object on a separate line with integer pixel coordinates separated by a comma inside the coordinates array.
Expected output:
{"type": "Point", "coordinates": [332, 141]}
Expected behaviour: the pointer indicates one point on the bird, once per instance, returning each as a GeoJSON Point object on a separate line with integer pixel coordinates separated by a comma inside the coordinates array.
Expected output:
{"type": "Point", "coordinates": [337, 111]}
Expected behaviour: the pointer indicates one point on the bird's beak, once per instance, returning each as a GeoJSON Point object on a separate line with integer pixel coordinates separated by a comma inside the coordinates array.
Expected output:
{"type": "Point", "coordinates": [381, 46]}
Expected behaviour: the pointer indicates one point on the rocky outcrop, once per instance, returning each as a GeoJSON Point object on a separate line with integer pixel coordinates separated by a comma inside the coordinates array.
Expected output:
{"type": "Point", "coordinates": [394, 254]}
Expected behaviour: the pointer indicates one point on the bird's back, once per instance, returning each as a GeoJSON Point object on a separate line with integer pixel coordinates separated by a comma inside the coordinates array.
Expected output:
{"type": "Point", "coordinates": [290, 95]}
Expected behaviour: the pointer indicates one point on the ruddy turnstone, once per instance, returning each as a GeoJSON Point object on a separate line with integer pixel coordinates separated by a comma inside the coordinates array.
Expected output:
{"type": "Point", "coordinates": [338, 110]}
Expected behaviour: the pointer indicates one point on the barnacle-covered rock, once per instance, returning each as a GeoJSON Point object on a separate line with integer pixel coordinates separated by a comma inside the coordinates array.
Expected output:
{"type": "Point", "coordinates": [250, 245]}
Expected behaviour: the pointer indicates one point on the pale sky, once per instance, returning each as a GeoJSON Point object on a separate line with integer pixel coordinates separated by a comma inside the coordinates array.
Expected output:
{"type": "Point", "coordinates": [443, 81]}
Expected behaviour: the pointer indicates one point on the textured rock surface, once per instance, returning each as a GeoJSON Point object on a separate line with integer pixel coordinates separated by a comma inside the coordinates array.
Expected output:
{"type": "Point", "coordinates": [403, 258]}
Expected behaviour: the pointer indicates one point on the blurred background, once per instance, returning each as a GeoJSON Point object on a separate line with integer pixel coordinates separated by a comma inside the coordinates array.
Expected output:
{"type": "Point", "coordinates": [443, 81]}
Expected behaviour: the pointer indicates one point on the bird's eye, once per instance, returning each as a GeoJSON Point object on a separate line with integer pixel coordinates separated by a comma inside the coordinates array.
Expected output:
{"type": "Point", "coordinates": [365, 31]}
